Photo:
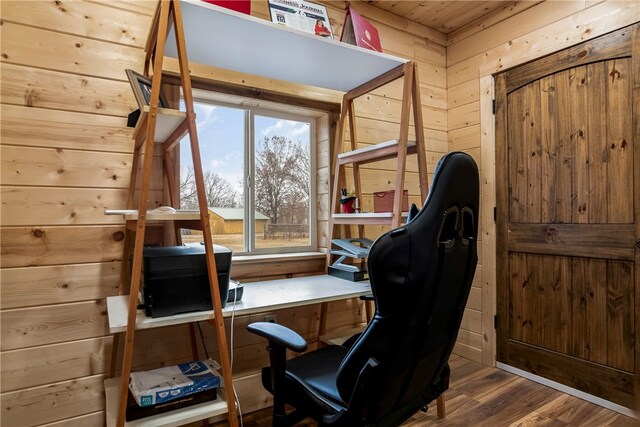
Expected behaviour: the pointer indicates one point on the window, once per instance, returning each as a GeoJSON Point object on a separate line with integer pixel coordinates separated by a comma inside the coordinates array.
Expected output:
{"type": "Point", "coordinates": [259, 177]}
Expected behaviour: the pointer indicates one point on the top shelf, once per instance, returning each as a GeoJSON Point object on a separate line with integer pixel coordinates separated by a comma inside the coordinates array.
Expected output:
{"type": "Point", "coordinates": [255, 46]}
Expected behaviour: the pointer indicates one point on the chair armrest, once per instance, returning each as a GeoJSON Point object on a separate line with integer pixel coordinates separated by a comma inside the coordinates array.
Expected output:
{"type": "Point", "coordinates": [278, 334]}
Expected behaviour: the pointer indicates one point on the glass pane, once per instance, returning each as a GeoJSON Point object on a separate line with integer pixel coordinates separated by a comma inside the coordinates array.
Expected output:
{"type": "Point", "coordinates": [282, 182]}
{"type": "Point", "coordinates": [221, 141]}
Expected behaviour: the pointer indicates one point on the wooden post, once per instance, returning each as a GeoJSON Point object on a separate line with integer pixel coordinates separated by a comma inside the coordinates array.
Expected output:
{"type": "Point", "coordinates": [142, 213]}
{"type": "Point", "coordinates": [442, 411]}
{"type": "Point", "coordinates": [218, 320]}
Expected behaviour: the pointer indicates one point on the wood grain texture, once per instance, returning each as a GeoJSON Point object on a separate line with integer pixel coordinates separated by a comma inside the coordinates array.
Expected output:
{"type": "Point", "coordinates": [61, 206]}
{"type": "Point", "coordinates": [620, 140]}
{"type": "Point", "coordinates": [66, 168]}
{"type": "Point", "coordinates": [32, 286]}
{"type": "Point", "coordinates": [57, 245]}
{"type": "Point", "coordinates": [506, 11]}
{"type": "Point", "coordinates": [596, 131]}
{"type": "Point", "coordinates": [575, 129]}
{"type": "Point", "coordinates": [93, 419]}
{"type": "Point", "coordinates": [615, 45]}
{"type": "Point", "coordinates": [141, 6]}
{"type": "Point", "coordinates": [517, 158]}
{"type": "Point", "coordinates": [487, 237]}
{"type": "Point", "coordinates": [64, 130]}
{"type": "Point", "coordinates": [34, 47]}
{"type": "Point", "coordinates": [577, 142]}
{"type": "Point", "coordinates": [595, 240]}
{"type": "Point", "coordinates": [25, 327]}
{"type": "Point", "coordinates": [33, 87]}
{"type": "Point", "coordinates": [54, 402]}
{"type": "Point", "coordinates": [568, 313]}
{"type": "Point", "coordinates": [35, 366]}
{"type": "Point", "coordinates": [549, 148]}
{"type": "Point", "coordinates": [598, 20]}
{"type": "Point", "coordinates": [98, 21]}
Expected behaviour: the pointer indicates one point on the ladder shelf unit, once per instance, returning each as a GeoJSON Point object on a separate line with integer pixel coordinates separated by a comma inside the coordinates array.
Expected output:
{"type": "Point", "coordinates": [398, 148]}
{"type": "Point", "coordinates": [263, 49]}
{"type": "Point", "coordinates": [167, 126]}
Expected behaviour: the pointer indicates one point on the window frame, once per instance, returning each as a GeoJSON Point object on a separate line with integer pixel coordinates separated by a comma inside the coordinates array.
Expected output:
{"type": "Point", "coordinates": [250, 111]}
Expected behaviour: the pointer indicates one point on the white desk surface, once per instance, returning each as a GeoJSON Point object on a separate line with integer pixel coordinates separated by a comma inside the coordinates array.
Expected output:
{"type": "Point", "coordinates": [258, 297]}
{"type": "Point", "coordinates": [227, 39]}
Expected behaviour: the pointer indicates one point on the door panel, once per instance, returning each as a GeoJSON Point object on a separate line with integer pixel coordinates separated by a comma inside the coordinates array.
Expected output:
{"type": "Point", "coordinates": [567, 151]}
{"type": "Point", "coordinates": [576, 130]}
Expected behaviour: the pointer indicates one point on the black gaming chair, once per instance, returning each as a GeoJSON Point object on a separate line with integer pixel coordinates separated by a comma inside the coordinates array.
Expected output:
{"type": "Point", "coordinates": [420, 274]}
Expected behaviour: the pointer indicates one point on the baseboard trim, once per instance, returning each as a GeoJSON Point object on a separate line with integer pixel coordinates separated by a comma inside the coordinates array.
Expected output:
{"type": "Point", "coordinates": [569, 390]}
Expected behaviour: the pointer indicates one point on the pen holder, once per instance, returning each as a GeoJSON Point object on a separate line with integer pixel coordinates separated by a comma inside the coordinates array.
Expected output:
{"type": "Point", "coordinates": [347, 205]}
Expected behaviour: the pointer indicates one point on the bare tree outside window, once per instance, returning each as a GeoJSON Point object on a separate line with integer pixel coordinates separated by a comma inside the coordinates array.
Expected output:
{"type": "Point", "coordinates": [282, 169]}
{"type": "Point", "coordinates": [273, 153]}
{"type": "Point", "coordinates": [220, 193]}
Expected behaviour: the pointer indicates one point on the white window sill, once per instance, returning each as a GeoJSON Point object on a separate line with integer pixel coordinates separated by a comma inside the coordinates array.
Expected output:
{"type": "Point", "coordinates": [265, 258]}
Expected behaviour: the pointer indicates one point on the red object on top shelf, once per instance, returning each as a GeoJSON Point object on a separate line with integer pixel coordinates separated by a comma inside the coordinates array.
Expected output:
{"type": "Point", "coordinates": [243, 6]}
{"type": "Point", "coordinates": [359, 32]}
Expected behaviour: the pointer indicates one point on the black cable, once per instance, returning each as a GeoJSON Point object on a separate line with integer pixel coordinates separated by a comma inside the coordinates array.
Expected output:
{"type": "Point", "coordinates": [204, 345]}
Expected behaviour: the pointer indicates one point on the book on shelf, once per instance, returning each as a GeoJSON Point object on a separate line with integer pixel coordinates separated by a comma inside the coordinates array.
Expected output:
{"type": "Point", "coordinates": [243, 6]}
{"type": "Point", "coordinates": [359, 32]}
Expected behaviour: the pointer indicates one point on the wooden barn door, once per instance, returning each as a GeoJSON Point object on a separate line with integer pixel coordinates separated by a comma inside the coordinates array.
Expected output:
{"type": "Point", "coordinates": [568, 216]}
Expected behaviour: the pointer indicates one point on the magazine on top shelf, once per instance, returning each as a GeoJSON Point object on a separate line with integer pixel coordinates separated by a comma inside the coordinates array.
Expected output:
{"type": "Point", "coordinates": [359, 32]}
{"type": "Point", "coordinates": [301, 15]}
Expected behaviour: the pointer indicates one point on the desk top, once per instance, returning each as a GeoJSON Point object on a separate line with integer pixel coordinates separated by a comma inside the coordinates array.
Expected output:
{"type": "Point", "coordinates": [258, 297]}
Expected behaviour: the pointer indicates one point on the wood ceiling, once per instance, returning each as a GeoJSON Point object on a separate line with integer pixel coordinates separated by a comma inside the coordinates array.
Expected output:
{"type": "Point", "coordinates": [451, 16]}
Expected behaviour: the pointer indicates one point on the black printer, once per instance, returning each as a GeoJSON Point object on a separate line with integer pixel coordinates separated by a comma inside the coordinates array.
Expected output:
{"type": "Point", "coordinates": [175, 279]}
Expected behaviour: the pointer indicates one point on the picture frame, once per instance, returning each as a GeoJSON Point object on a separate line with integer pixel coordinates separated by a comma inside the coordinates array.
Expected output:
{"type": "Point", "coordinates": [301, 15]}
{"type": "Point", "coordinates": [141, 87]}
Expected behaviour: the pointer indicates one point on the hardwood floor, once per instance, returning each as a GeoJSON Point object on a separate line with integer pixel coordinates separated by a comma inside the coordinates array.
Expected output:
{"type": "Point", "coordinates": [482, 396]}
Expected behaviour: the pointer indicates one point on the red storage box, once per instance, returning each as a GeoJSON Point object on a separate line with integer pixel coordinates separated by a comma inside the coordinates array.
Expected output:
{"type": "Point", "coordinates": [383, 201]}
{"type": "Point", "coordinates": [243, 6]}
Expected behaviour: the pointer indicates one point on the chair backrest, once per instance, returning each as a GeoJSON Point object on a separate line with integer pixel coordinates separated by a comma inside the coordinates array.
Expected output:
{"type": "Point", "coordinates": [421, 275]}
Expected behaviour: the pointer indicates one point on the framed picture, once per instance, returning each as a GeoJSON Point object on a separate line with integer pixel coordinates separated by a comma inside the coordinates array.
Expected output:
{"type": "Point", "coordinates": [141, 86]}
{"type": "Point", "coordinates": [301, 15]}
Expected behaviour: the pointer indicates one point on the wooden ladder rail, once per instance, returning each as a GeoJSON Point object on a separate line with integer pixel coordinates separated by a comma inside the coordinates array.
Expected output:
{"type": "Point", "coordinates": [155, 50]}
{"type": "Point", "coordinates": [218, 320]}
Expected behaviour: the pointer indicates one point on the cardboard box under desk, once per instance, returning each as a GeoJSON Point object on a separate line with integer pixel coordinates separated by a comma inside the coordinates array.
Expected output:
{"type": "Point", "coordinates": [383, 201]}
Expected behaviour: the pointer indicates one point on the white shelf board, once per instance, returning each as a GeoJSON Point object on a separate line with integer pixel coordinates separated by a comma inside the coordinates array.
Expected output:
{"type": "Point", "coordinates": [258, 297]}
{"type": "Point", "coordinates": [364, 215]}
{"type": "Point", "coordinates": [167, 121]}
{"type": "Point", "coordinates": [259, 47]}
{"type": "Point", "coordinates": [177, 417]}
{"type": "Point", "coordinates": [369, 148]}
{"type": "Point", "coordinates": [365, 218]}
{"type": "Point", "coordinates": [367, 215]}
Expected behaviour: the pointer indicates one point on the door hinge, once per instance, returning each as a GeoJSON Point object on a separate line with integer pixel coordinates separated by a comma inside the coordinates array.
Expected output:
{"type": "Point", "coordinates": [495, 322]}
{"type": "Point", "coordinates": [495, 214]}
{"type": "Point", "coordinates": [493, 106]}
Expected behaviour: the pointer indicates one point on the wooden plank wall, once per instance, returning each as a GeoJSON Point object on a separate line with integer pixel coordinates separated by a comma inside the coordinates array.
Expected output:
{"type": "Point", "coordinates": [472, 56]}
{"type": "Point", "coordinates": [66, 156]}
